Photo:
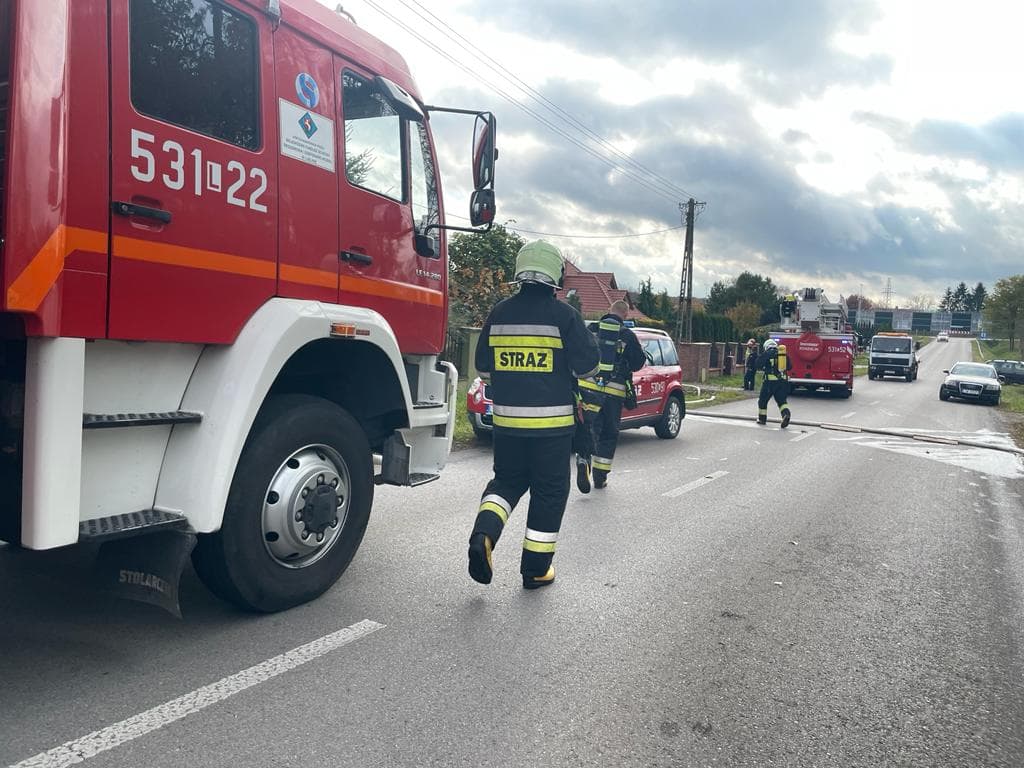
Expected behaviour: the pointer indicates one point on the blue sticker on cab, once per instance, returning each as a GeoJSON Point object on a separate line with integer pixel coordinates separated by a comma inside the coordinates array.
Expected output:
{"type": "Point", "coordinates": [307, 90]}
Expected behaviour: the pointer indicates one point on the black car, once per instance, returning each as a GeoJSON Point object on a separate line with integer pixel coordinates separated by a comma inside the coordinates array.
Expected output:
{"type": "Point", "coordinates": [1010, 370]}
{"type": "Point", "coordinates": [972, 381]}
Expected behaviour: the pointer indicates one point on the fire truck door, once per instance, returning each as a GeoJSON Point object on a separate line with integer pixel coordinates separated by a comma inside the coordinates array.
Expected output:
{"type": "Point", "coordinates": [307, 110]}
{"type": "Point", "coordinates": [194, 165]}
{"type": "Point", "coordinates": [388, 179]}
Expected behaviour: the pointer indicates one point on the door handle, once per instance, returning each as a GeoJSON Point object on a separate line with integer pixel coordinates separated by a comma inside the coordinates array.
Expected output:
{"type": "Point", "coordinates": [131, 209]}
{"type": "Point", "coordinates": [359, 258]}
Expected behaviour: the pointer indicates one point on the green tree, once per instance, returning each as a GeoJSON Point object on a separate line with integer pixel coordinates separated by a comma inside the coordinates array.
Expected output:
{"type": "Point", "coordinates": [946, 305]}
{"type": "Point", "coordinates": [666, 309]}
{"type": "Point", "coordinates": [645, 298]}
{"type": "Point", "coordinates": [960, 298]}
{"type": "Point", "coordinates": [573, 300]}
{"type": "Point", "coordinates": [978, 297]}
{"type": "Point", "coordinates": [748, 287]}
{"type": "Point", "coordinates": [865, 302]}
{"type": "Point", "coordinates": [480, 268]}
{"type": "Point", "coordinates": [745, 316]}
{"type": "Point", "coordinates": [1004, 308]}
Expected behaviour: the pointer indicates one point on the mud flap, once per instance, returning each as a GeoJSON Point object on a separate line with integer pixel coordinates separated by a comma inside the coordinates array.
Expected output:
{"type": "Point", "coordinates": [145, 568]}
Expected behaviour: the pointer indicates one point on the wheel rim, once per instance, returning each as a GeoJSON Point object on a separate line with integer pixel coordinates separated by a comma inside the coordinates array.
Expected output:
{"type": "Point", "coordinates": [305, 506]}
{"type": "Point", "coordinates": [675, 418]}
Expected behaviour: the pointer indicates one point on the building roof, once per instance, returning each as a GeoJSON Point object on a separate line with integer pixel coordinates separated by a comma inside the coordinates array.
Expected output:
{"type": "Point", "coordinates": [596, 292]}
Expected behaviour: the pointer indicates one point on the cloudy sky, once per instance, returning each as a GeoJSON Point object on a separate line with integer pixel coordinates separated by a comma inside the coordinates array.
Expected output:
{"type": "Point", "coordinates": [836, 143]}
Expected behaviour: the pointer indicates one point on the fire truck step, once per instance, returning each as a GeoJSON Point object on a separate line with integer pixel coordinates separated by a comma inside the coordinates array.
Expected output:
{"type": "Point", "coordinates": [131, 524]}
{"type": "Point", "coordinates": [115, 420]}
{"type": "Point", "coordinates": [427, 404]}
{"type": "Point", "coordinates": [419, 478]}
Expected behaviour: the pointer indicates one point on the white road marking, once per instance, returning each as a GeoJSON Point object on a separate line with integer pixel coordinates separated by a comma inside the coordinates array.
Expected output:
{"type": "Point", "coordinates": [115, 735]}
{"type": "Point", "coordinates": [876, 402]}
{"type": "Point", "coordinates": [801, 436]}
{"type": "Point", "coordinates": [849, 415]}
{"type": "Point", "coordinates": [695, 484]}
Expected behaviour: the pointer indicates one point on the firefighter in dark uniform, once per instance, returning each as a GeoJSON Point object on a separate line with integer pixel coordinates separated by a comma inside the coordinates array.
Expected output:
{"type": "Point", "coordinates": [750, 368]}
{"type": "Point", "coordinates": [534, 347]}
{"type": "Point", "coordinates": [775, 365]}
{"type": "Point", "coordinates": [603, 394]}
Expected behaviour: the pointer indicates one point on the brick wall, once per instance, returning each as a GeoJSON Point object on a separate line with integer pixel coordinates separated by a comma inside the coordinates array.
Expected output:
{"type": "Point", "coordinates": [694, 358]}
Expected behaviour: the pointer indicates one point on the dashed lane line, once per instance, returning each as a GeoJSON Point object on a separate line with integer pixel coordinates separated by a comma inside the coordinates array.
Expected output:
{"type": "Point", "coordinates": [695, 484]}
{"type": "Point", "coordinates": [115, 735]}
{"type": "Point", "coordinates": [801, 436]}
{"type": "Point", "coordinates": [849, 415]}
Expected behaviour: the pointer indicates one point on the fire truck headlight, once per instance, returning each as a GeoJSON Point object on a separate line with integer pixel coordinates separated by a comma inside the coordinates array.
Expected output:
{"type": "Point", "coordinates": [478, 396]}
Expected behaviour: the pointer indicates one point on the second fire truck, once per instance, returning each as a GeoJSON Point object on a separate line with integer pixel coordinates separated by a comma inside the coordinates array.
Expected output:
{"type": "Point", "coordinates": [819, 341]}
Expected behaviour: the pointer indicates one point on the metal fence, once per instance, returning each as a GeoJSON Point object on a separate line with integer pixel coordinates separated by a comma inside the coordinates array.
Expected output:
{"type": "Point", "coordinates": [455, 343]}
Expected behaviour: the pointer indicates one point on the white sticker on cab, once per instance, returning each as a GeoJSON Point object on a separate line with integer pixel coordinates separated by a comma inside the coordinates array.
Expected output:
{"type": "Point", "coordinates": [306, 136]}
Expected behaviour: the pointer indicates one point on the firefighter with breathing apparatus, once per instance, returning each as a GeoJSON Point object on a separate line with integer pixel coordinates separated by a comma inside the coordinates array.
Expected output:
{"type": "Point", "coordinates": [775, 365]}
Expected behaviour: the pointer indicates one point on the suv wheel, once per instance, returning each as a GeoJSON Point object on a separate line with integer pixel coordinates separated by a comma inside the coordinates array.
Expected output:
{"type": "Point", "coordinates": [671, 419]}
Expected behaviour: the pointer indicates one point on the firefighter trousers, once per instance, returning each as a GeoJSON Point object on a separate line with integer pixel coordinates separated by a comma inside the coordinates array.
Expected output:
{"type": "Point", "coordinates": [772, 388]}
{"type": "Point", "coordinates": [537, 464]}
{"type": "Point", "coordinates": [606, 434]}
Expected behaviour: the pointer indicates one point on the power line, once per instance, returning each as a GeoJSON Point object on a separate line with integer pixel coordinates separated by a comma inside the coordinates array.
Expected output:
{"type": "Point", "coordinates": [576, 237]}
{"type": "Point", "coordinates": [563, 114]}
{"type": "Point", "coordinates": [512, 100]}
{"type": "Point", "coordinates": [596, 237]}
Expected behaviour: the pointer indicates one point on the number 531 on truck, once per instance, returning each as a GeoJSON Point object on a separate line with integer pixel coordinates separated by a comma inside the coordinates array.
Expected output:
{"type": "Point", "coordinates": [224, 288]}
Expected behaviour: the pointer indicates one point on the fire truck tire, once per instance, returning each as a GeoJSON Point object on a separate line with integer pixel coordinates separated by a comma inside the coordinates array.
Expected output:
{"type": "Point", "coordinates": [671, 419]}
{"type": "Point", "coordinates": [304, 457]}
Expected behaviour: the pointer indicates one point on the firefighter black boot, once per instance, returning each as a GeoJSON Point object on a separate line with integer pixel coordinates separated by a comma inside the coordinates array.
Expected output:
{"type": "Point", "coordinates": [600, 478]}
{"type": "Point", "coordinates": [785, 418]}
{"type": "Point", "coordinates": [536, 582]}
{"type": "Point", "coordinates": [583, 474]}
{"type": "Point", "coordinates": [480, 558]}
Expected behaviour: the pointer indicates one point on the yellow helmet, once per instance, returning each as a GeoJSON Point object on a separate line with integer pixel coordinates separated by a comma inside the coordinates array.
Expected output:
{"type": "Point", "coordinates": [540, 262]}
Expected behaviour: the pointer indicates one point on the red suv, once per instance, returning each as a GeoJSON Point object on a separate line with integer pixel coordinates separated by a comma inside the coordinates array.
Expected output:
{"type": "Point", "coordinates": [659, 391]}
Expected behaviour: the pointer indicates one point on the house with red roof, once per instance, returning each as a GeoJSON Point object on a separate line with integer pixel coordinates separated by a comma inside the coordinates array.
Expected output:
{"type": "Point", "coordinates": [596, 292]}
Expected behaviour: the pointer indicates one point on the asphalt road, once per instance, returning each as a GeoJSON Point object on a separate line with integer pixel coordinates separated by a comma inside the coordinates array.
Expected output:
{"type": "Point", "coordinates": [740, 596]}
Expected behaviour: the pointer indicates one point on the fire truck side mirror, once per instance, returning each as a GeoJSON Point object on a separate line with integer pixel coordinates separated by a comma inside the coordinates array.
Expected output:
{"type": "Point", "coordinates": [481, 207]}
{"type": "Point", "coordinates": [426, 246]}
{"type": "Point", "coordinates": [484, 152]}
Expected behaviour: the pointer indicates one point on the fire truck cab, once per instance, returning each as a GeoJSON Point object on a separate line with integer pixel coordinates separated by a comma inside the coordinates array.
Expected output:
{"type": "Point", "coordinates": [223, 288]}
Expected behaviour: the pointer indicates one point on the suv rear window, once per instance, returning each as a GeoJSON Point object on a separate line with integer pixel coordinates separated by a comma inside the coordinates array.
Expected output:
{"type": "Point", "coordinates": [653, 350]}
{"type": "Point", "coordinates": [668, 352]}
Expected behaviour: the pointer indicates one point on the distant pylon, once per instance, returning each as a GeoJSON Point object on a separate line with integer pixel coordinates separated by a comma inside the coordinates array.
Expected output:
{"type": "Point", "coordinates": [887, 295]}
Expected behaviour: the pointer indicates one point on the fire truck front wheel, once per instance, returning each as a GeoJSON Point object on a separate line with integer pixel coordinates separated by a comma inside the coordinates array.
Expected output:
{"type": "Point", "coordinates": [297, 509]}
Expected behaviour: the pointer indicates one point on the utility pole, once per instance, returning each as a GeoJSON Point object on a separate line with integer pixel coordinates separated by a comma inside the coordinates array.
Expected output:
{"type": "Point", "coordinates": [686, 278]}
{"type": "Point", "coordinates": [860, 296]}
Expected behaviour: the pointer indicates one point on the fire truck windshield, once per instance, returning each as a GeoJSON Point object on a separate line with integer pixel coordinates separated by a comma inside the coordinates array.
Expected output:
{"type": "Point", "coordinates": [886, 344]}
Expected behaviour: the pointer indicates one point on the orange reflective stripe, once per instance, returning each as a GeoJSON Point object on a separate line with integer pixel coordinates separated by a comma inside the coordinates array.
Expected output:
{"type": "Point", "coordinates": [309, 276]}
{"type": "Point", "coordinates": [392, 290]}
{"type": "Point", "coordinates": [194, 258]}
{"type": "Point", "coordinates": [29, 288]}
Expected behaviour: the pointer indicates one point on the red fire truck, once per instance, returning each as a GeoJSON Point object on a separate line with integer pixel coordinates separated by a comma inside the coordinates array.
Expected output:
{"type": "Point", "coordinates": [224, 288]}
{"type": "Point", "coordinates": [819, 341]}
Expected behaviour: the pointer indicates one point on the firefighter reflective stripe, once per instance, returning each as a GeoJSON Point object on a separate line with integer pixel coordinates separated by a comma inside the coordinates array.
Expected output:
{"type": "Point", "coordinates": [534, 417]}
{"type": "Point", "coordinates": [492, 502]}
{"type": "Point", "coordinates": [525, 335]}
{"type": "Point", "coordinates": [546, 342]}
{"type": "Point", "coordinates": [539, 541]}
{"type": "Point", "coordinates": [525, 329]}
{"type": "Point", "coordinates": [593, 407]}
{"type": "Point", "coordinates": [611, 327]}
{"type": "Point", "coordinates": [610, 388]}
{"type": "Point", "coordinates": [600, 462]}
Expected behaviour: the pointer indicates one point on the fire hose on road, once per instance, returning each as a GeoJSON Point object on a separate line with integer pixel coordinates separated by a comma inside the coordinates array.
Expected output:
{"type": "Point", "coordinates": [870, 430]}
